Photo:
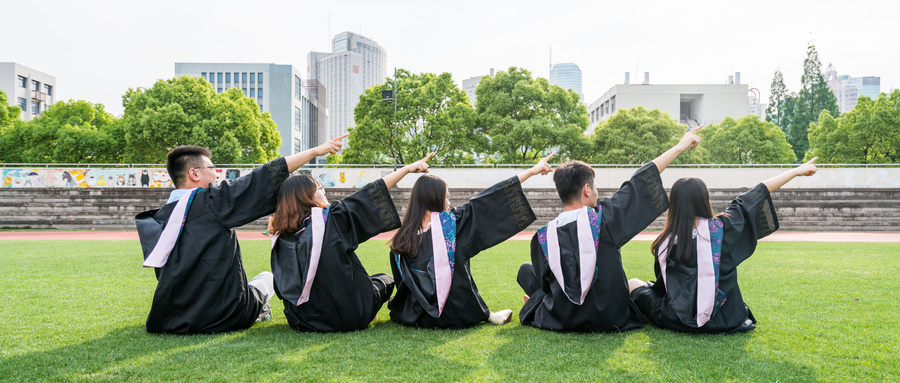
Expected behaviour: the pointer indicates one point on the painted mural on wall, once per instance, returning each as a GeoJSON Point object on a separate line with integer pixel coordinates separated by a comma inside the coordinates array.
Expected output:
{"type": "Point", "coordinates": [159, 177]}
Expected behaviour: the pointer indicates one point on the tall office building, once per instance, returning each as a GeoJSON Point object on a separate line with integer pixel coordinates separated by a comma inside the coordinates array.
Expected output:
{"type": "Point", "coordinates": [848, 89]}
{"type": "Point", "coordinates": [31, 90]}
{"type": "Point", "coordinates": [567, 76]}
{"type": "Point", "coordinates": [355, 64]}
{"type": "Point", "coordinates": [470, 84]}
{"type": "Point", "coordinates": [277, 89]}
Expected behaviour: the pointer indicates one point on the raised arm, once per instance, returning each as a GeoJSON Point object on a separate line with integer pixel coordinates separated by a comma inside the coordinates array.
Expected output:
{"type": "Point", "coordinates": [420, 166]}
{"type": "Point", "coordinates": [296, 160]}
{"type": "Point", "coordinates": [542, 168]}
{"type": "Point", "coordinates": [688, 142]}
{"type": "Point", "coordinates": [804, 170]}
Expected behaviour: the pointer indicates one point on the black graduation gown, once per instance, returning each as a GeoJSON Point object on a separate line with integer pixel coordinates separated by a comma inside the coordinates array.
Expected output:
{"type": "Point", "coordinates": [341, 297]}
{"type": "Point", "coordinates": [488, 219]}
{"type": "Point", "coordinates": [607, 306]}
{"type": "Point", "coordinates": [203, 288]}
{"type": "Point", "coordinates": [750, 217]}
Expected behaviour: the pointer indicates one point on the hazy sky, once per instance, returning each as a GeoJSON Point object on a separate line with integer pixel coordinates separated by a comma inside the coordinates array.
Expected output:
{"type": "Point", "coordinates": [97, 49]}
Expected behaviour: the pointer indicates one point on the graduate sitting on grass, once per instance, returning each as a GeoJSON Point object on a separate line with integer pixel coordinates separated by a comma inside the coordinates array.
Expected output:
{"type": "Point", "coordinates": [696, 257]}
{"type": "Point", "coordinates": [318, 276]}
{"type": "Point", "coordinates": [575, 281]}
{"type": "Point", "coordinates": [430, 253]}
{"type": "Point", "coordinates": [202, 286]}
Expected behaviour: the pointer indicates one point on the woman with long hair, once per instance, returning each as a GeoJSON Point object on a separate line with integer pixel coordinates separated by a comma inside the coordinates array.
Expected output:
{"type": "Point", "coordinates": [697, 253]}
{"type": "Point", "coordinates": [430, 253]}
{"type": "Point", "coordinates": [318, 276]}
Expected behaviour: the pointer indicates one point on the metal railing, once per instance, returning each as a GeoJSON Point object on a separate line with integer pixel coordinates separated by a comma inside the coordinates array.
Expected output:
{"type": "Point", "coordinates": [467, 166]}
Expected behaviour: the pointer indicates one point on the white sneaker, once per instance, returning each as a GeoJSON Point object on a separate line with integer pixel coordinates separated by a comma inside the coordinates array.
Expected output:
{"type": "Point", "coordinates": [501, 317]}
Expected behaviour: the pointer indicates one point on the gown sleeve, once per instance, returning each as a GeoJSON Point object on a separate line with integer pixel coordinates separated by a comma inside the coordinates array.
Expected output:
{"type": "Point", "coordinates": [749, 218]}
{"type": "Point", "coordinates": [249, 197]}
{"type": "Point", "coordinates": [638, 202]}
{"type": "Point", "coordinates": [366, 213]}
{"type": "Point", "coordinates": [492, 216]}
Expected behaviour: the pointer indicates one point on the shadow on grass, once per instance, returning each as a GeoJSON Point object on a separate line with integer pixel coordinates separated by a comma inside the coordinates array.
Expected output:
{"type": "Point", "coordinates": [271, 351]}
{"type": "Point", "coordinates": [717, 357]}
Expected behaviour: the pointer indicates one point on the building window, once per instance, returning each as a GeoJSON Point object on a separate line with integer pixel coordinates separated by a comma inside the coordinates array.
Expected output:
{"type": "Point", "coordinates": [219, 90]}
{"type": "Point", "coordinates": [48, 89]}
{"type": "Point", "coordinates": [22, 104]}
{"type": "Point", "coordinates": [35, 86]}
{"type": "Point", "coordinates": [259, 77]}
{"type": "Point", "coordinates": [35, 107]}
{"type": "Point", "coordinates": [22, 82]}
{"type": "Point", "coordinates": [245, 91]}
{"type": "Point", "coordinates": [253, 92]}
{"type": "Point", "coordinates": [228, 77]}
{"type": "Point", "coordinates": [219, 77]}
{"type": "Point", "coordinates": [260, 108]}
{"type": "Point", "coordinates": [236, 77]}
{"type": "Point", "coordinates": [243, 77]}
{"type": "Point", "coordinates": [203, 75]}
{"type": "Point", "coordinates": [252, 77]}
{"type": "Point", "coordinates": [298, 145]}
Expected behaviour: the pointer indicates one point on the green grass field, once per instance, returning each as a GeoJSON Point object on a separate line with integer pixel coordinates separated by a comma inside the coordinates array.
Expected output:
{"type": "Point", "coordinates": [76, 310]}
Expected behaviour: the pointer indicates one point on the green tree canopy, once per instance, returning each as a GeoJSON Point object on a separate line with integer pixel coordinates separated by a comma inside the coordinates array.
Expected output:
{"type": "Point", "coordinates": [433, 114]}
{"type": "Point", "coordinates": [814, 97]}
{"type": "Point", "coordinates": [776, 109]}
{"type": "Point", "coordinates": [526, 117]}
{"type": "Point", "coordinates": [637, 136]}
{"type": "Point", "coordinates": [9, 114]}
{"type": "Point", "coordinates": [67, 132]}
{"type": "Point", "coordinates": [868, 134]}
{"type": "Point", "coordinates": [187, 111]}
{"type": "Point", "coordinates": [746, 141]}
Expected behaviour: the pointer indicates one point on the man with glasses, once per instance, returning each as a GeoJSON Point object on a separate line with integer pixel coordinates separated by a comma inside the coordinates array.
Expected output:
{"type": "Point", "coordinates": [191, 243]}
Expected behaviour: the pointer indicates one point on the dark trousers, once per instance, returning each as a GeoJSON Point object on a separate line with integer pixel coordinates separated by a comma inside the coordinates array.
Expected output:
{"type": "Point", "coordinates": [383, 285]}
{"type": "Point", "coordinates": [527, 280]}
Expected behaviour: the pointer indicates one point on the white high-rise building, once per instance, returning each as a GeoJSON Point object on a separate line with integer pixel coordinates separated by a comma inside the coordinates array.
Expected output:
{"type": "Point", "coordinates": [848, 89]}
{"type": "Point", "coordinates": [470, 84]}
{"type": "Point", "coordinates": [567, 76]}
{"type": "Point", "coordinates": [355, 64]}
{"type": "Point", "coordinates": [31, 90]}
{"type": "Point", "coordinates": [277, 89]}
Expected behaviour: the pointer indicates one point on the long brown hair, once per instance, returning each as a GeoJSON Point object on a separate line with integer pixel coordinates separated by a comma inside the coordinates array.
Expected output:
{"type": "Point", "coordinates": [688, 200]}
{"type": "Point", "coordinates": [428, 194]}
{"type": "Point", "coordinates": [295, 199]}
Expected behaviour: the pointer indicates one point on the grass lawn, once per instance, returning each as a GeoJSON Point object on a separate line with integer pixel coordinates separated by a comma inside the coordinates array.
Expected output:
{"type": "Point", "coordinates": [76, 311]}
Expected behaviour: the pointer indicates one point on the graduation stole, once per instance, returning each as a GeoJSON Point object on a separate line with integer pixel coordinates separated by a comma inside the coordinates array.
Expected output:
{"type": "Point", "coordinates": [709, 255]}
{"type": "Point", "coordinates": [588, 226]}
{"type": "Point", "coordinates": [318, 216]}
{"type": "Point", "coordinates": [443, 246]}
{"type": "Point", "coordinates": [174, 225]}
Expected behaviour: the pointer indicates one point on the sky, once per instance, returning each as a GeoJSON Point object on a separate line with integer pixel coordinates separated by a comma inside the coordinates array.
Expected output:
{"type": "Point", "coordinates": [98, 49]}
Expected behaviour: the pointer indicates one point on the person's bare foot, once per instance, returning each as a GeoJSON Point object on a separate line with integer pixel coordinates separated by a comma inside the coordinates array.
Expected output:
{"type": "Point", "coordinates": [501, 317]}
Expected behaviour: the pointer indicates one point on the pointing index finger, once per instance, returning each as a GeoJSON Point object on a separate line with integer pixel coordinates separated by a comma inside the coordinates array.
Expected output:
{"type": "Point", "coordinates": [341, 137]}
{"type": "Point", "coordinates": [812, 161]}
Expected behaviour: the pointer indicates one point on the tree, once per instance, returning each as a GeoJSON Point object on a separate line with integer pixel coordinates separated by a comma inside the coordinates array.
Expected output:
{"type": "Point", "coordinates": [67, 132]}
{"type": "Point", "coordinates": [746, 141]}
{"type": "Point", "coordinates": [637, 136]}
{"type": "Point", "coordinates": [527, 117]}
{"type": "Point", "coordinates": [9, 114]}
{"type": "Point", "coordinates": [814, 97]}
{"type": "Point", "coordinates": [868, 134]}
{"type": "Point", "coordinates": [433, 114]}
{"type": "Point", "coordinates": [187, 111]}
{"type": "Point", "coordinates": [775, 111]}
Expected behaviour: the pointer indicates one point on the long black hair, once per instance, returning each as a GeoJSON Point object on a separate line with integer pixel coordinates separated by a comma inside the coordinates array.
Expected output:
{"type": "Point", "coordinates": [296, 198]}
{"type": "Point", "coordinates": [427, 195]}
{"type": "Point", "coordinates": [688, 200]}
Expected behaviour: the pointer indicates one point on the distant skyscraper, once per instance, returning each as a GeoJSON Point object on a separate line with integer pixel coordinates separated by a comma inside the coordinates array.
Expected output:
{"type": "Point", "coordinates": [848, 89]}
{"type": "Point", "coordinates": [31, 90]}
{"type": "Point", "coordinates": [470, 84]}
{"type": "Point", "coordinates": [277, 89]}
{"type": "Point", "coordinates": [567, 76]}
{"type": "Point", "coordinates": [355, 64]}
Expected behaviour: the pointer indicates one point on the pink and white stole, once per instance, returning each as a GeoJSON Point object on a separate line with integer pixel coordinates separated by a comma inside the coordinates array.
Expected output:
{"type": "Point", "coordinates": [706, 274]}
{"type": "Point", "coordinates": [318, 233]}
{"type": "Point", "coordinates": [443, 276]}
{"type": "Point", "coordinates": [160, 254]}
{"type": "Point", "coordinates": [587, 254]}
